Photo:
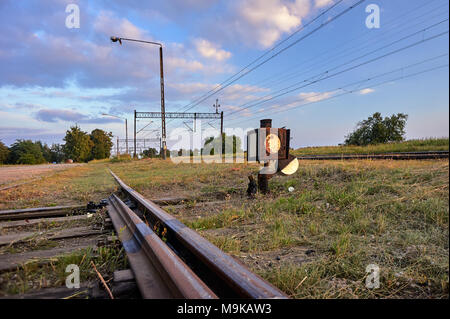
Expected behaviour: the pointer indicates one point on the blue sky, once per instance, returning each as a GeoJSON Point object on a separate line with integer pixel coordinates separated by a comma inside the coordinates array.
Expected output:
{"type": "Point", "coordinates": [53, 77]}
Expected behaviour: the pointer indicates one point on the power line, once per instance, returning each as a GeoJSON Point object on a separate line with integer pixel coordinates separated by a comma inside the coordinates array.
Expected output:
{"type": "Point", "coordinates": [233, 78]}
{"type": "Point", "coordinates": [230, 80]}
{"type": "Point", "coordinates": [353, 91]}
{"type": "Point", "coordinates": [313, 78]}
{"type": "Point", "coordinates": [351, 41]}
{"type": "Point", "coordinates": [328, 21]}
{"type": "Point", "coordinates": [291, 89]}
{"type": "Point", "coordinates": [284, 77]}
{"type": "Point", "coordinates": [266, 53]}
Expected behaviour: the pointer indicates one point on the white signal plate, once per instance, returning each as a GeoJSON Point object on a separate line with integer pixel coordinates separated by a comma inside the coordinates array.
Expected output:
{"type": "Point", "coordinates": [291, 168]}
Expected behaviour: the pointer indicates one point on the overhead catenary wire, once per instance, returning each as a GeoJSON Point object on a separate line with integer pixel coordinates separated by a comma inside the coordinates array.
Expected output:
{"type": "Point", "coordinates": [224, 84]}
{"type": "Point", "coordinates": [313, 78]}
{"type": "Point", "coordinates": [241, 73]}
{"type": "Point", "coordinates": [309, 82]}
{"type": "Point", "coordinates": [328, 21]}
{"type": "Point", "coordinates": [266, 53]}
{"type": "Point", "coordinates": [349, 91]}
{"type": "Point", "coordinates": [351, 41]}
{"type": "Point", "coordinates": [320, 75]}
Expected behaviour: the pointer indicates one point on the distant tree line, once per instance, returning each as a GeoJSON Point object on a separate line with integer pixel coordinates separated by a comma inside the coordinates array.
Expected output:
{"type": "Point", "coordinates": [79, 146]}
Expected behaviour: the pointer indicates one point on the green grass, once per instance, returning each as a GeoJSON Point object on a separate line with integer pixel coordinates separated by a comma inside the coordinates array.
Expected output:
{"type": "Point", "coordinates": [431, 144]}
{"type": "Point", "coordinates": [393, 214]}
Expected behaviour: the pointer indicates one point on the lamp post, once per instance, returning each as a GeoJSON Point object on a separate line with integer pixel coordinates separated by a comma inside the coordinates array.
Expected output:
{"type": "Point", "coordinates": [126, 128]}
{"type": "Point", "coordinates": [163, 114]}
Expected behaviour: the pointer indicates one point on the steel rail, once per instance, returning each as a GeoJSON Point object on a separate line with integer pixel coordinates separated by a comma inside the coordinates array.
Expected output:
{"type": "Point", "coordinates": [393, 156]}
{"type": "Point", "coordinates": [159, 272]}
{"type": "Point", "coordinates": [226, 276]}
{"type": "Point", "coordinates": [28, 213]}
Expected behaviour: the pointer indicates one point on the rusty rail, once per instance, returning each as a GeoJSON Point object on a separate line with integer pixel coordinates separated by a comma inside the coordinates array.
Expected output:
{"type": "Point", "coordinates": [159, 272]}
{"type": "Point", "coordinates": [29, 213]}
{"type": "Point", "coordinates": [391, 156]}
{"type": "Point", "coordinates": [224, 275]}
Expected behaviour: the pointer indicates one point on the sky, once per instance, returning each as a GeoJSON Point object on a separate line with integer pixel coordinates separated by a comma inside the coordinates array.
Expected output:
{"type": "Point", "coordinates": [327, 69]}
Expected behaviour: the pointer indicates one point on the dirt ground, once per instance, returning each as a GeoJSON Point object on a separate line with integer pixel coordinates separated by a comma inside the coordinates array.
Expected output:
{"type": "Point", "coordinates": [16, 173]}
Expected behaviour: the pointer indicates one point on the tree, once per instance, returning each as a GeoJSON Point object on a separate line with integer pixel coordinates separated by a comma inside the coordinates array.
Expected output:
{"type": "Point", "coordinates": [102, 144]}
{"type": "Point", "coordinates": [150, 153]}
{"type": "Point", "coordinates": [78, 145]}
{"type": "Point", "coordinates": [26, 152]}
{"type": "Point", "coordinates": [377, 130]}
{"type": "Point", "coordinates": [46, 152]}
{"type": "Point", "coordinates": [57, 153]}
{"type": "Point", "coordinates": [4, 151]}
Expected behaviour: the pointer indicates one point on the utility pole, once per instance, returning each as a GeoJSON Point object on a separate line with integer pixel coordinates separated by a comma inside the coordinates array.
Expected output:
{"type": "Point", "coordinates": [134, 155]}
{"type": "Point", "coordinates": [118, 147]}
{"type": "Point", "coordinates": [126, 135]}
{"type": "Point", "coordinates": [217, 105]}
{"type": "Point", "coordinates": [221, 123]}
{"type": "Point", "coordinates": [163, 108]}
{"type": "Point", "coordinates": [126, 129]}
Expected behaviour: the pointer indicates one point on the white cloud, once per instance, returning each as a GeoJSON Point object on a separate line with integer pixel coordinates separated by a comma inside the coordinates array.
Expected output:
{"type": "Point", "coordinates": [302, 99]}
{"type": "Point", "coordinates": [190, 88]}
{"type": "Point", "coordinates": [211, 51]}
{"type": "Point", "coordinates": [181, 63]}
{"type": "Point", "coordinates": [315, 96]}
{"type": "Point", "coordinates": [322, 3]}
{"type": "Point", "coordinates": [366, 91]}
{"type": "Point", "coordinates": [268, 20]}
{"type": "Point", "coordinates": [107, 23]}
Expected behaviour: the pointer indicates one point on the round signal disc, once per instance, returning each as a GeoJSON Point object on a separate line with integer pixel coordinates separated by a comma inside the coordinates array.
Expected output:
{"type": "Point", "coordinates": [273, 143]}
{"type": "Point", "coordinates": [291, 168]}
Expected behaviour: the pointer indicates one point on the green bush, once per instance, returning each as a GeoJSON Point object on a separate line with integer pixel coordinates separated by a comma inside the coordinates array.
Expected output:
{"type": "Point", "coordinates": [4, 151]}
{"type": "Point", "coordinates": [26, 152]}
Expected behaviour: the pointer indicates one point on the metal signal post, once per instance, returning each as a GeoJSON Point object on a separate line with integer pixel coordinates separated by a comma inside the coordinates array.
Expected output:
{"type": "Point", "coordinates": [270, 146]}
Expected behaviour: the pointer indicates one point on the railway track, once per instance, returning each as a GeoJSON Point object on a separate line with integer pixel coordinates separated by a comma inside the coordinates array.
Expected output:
{"type": "Point", "coordinates": [43, 233]}
{"type": "Point", "coordinates": [169, 259]}
{"type": "Point", "coordinates": [389, 156]}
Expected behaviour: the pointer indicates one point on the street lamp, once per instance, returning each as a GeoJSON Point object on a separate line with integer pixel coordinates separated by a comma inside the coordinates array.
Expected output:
{"type": "Point", "coordinates": [126, 128]}
{"type": "Point", "coordinates": [163, 112]}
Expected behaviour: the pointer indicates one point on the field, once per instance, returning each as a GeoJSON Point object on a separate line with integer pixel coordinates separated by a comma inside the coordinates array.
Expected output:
{"type": "Point", "coordinates": [313, 242]}
{"type": "Point", "coordinates": [11, 175]}
{"type": "Point", "coordinates": [432, 144]}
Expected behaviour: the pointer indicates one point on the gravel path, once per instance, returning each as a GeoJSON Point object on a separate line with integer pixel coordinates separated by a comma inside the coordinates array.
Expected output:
{"type": "Point", "coordinates": [21, 172]}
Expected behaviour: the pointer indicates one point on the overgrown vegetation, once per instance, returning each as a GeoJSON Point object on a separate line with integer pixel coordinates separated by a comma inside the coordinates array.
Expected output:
{"type": "Point", "coordinates": [313, 242]}
{"type": "Point", "coordinates": [346, 215]}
